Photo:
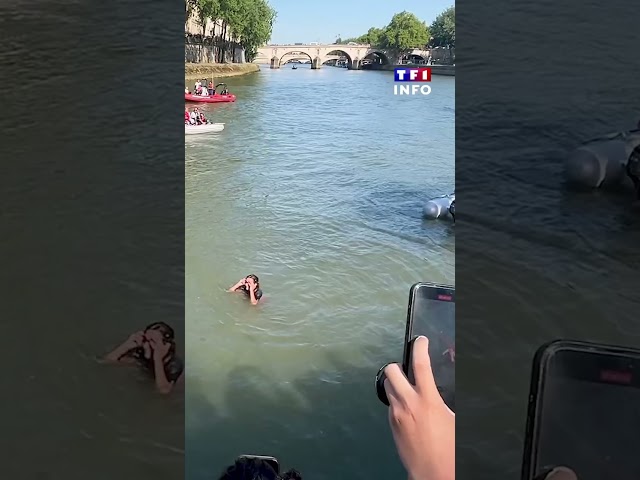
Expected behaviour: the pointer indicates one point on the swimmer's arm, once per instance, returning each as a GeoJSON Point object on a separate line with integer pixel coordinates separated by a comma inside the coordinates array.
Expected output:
{"type": "Point", "coordinates": [119, 354]}
{"type": "Point", "coordinates": [252, 296]}
{"type": "Point", "coordinates": [236, 286]}
{"type": "Point", "coordinates": [163, 385]}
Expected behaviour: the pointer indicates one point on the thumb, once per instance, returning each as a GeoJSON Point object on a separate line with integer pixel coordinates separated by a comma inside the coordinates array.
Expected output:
{"type": "Point", "coordinates": [425, 382]}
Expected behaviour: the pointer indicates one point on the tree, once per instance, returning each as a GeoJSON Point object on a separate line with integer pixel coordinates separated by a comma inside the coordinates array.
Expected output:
{"type": "Point", "coordinates": [190, 7]}
{"type": "Point", "coordinates": [443, 29]}
{"type": "Point", "coordinates": [256, 27]}
{"type": "Point", "coordinates": [206, 10]}
{"type": "Point", "coordinates": [404, 32]}
{"type": "Point", "coordinates": [246, 22]}
{"type": "Point", "coordinates": [374, 36]}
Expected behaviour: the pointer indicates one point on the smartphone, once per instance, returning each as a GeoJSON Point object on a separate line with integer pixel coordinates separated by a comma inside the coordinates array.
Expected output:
{"type": "Point", "coordinates": [432, 313]}
{"type": "Point", "coordinates": [271, 461]}
{"type": "Point", "coordinates": [584, 411]}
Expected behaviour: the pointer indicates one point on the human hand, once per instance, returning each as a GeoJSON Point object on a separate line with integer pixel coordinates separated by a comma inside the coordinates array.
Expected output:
{"type": "Point", "coordinates": [423, 426]}
{"type": "Point", "coordinates": [250, 283]}
{"type": "Point", "coordinates": [135, 339]}
{"type": "Point", "coordinates": [156, 341]}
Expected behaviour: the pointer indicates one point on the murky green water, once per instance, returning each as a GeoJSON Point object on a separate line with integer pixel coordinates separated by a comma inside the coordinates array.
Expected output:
{"type": "Point", "coordinates": [316, 185]}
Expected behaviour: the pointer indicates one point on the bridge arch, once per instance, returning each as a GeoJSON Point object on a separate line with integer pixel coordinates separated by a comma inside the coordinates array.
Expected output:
{"type": "Point", "coordinates": [294, 56]}
{"type": "Point", "coordinates": [340, 52]}
{"type": "Point", "coordinates": [415, 58]}
{"type": "Point", "coordinates": [377, 56]}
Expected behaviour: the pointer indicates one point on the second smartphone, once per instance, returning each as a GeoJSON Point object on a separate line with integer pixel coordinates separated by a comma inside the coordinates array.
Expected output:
{"type": "Point", "coordinates": [584, 412]}
{"type": "Point", "coordinates": [432, 313]}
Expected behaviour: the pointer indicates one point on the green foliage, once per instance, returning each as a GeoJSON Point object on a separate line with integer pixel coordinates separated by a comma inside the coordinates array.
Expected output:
{"type": "Point", "coordinates": [443, 29]}
{"type": "Point", "coordinates": [206, 9]}
{"type": "Point", "coordinates": [255, 26]}
{"type": "Point", "coordinates": [249, 22]}
{"type": "Point", "coordinates": [404, 32]}
{"type": "Point", "coordinates": [374, 36]}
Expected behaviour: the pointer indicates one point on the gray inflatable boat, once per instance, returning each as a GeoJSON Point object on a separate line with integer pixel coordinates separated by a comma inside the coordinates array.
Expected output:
{"type": "Point", "coordinates": [439, 207]}
{"type": "Point", "coordinates": [602, 161]}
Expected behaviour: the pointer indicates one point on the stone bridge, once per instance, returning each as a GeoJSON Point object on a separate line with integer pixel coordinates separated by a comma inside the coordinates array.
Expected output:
{"type": "Point", "coordinates": [301, 58]}
{"type": "Point", "coordinates": [319, 54]}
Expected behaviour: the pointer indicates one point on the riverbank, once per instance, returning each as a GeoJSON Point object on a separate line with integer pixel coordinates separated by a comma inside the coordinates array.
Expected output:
{"type": "Point", "coordinates": [218, 70]}
{"type": "Point", "coordinates": [447, 70]}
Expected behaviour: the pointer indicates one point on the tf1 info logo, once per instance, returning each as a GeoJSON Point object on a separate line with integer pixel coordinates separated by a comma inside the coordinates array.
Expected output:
{"type": "Point", "coordinates": [411, 81]}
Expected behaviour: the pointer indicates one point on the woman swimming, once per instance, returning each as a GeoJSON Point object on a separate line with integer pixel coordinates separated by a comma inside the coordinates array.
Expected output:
{"type": "Point", "coordinates": [250, 286]}
{"type": "Point", "coordinates": [153, 349]}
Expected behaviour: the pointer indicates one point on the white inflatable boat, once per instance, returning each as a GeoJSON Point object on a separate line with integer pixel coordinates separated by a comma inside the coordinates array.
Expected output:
{"type": "Point", "coordinates": [199, 129]}
{"type": "Point", "coordinates": [602, 161]}
{"type": "Point", "coordinates": [439, 207]}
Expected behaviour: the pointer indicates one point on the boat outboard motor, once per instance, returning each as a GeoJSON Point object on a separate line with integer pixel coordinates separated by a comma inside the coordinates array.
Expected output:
{"type": "Point", "coordinates": [602, 161]}
{"type": "Point", "coordinates": [439, 207]}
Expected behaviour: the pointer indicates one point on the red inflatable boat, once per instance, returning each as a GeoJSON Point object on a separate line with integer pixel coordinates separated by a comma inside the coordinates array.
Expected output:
{"type": "Point", "coordinates": [215, 98]}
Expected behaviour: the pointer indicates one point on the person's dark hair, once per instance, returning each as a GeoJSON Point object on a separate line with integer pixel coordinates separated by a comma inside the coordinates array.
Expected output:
{"type": "Point", "coordinates": [167, 331]}
{"type": "Point", "coordinates": [255, 279]}
{"type": "Point", "coordinates": [249, 469]}
{"type": "Point", "coordinates": [292, 475]}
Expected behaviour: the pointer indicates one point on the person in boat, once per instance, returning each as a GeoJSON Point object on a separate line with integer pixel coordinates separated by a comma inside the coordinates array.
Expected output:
{"type": "Point", "coordinates": [195, 116]}
{"type": "Point", "coordinates": [154, 350]}
{"type": "Point", "coordinates": [225, 90]}
{"type": "Point", "coordinates": [633, 172]}
{"type": "Point", "coordinates": [211, 88]}
{"type": "Point", "coordinates": [187, 117]}
{"type": "Point", "coordinates": [200, 118]}
{"type": "Point", "coordinates": [250, 286]}
{"type": "Point", "coordinates": [204, 92]}
{"type": "Point", "coordinates": [196, 88]}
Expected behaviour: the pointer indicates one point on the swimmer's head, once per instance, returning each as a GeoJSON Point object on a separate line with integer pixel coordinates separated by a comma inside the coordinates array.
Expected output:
{"type": "Point", "coordinates": [167, 332]}
{"type": "Point", "coordinates": [247, 467]}
{"type": "Point", "coordinates": [254, 278]}
{"type": "Point", "coordinates": [256, 469]}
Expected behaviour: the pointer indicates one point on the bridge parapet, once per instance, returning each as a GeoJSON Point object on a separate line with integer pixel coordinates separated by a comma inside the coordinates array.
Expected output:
{"type": "Point", "coordinates": [320, 53]}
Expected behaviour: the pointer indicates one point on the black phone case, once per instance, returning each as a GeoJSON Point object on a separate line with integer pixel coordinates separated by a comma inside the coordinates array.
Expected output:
{"type": "Point", "coordinates": [536, 389]}
{"type": "Point", "coordinates": [408, 344]}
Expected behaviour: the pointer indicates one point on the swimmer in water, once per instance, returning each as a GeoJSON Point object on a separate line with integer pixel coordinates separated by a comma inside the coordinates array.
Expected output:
{"type": "Point", "coordinates": [250, 286]}
{"type": "Point", "coordinates": [154, 350]}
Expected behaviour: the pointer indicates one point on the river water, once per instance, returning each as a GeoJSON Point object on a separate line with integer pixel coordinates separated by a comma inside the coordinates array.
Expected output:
{"type": "Point", "coordinates": [539, 261]}
{"type": "Point", "coordinates": [316, 185]}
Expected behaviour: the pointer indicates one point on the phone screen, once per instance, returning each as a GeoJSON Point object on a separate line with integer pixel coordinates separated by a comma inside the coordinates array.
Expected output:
{"type": "Point", "coordinates": [588, 415]}
{"type": "Point", "coordinates": [432, 313]}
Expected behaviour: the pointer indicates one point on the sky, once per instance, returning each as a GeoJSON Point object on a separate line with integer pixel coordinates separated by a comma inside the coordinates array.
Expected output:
{"type": "Point", "coordinates": [324, 20]}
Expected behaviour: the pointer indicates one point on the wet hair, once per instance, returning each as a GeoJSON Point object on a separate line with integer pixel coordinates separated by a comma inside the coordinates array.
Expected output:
{"type": "Point", "coordinates": [246, 468]}
{"type": "Point", "coordinates": [167, 332]}
{"type": "Point", "coordinates": [168, 336]}
{"type": "Point", "coordinates": [292, 475]}
{"type": "Point", "coordinates": [249, 469]}
{"type": "Point", "coordinates": [255, 279]}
